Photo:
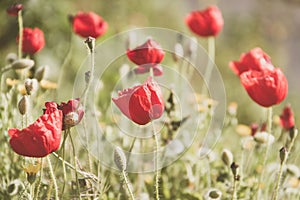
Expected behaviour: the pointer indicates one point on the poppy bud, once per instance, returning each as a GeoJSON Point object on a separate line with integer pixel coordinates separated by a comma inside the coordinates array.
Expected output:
{"type": "Point", "coordinates": [22, 64]}
{"type": "Point", "coordinates": [40, 73]}
{"type": "Point", "coordinates": [11, 57]}
{"type": "Point", "coordinates": [120, 159]}
{"type": "Point", "coordinates": [23, 105]}
{"type": "Point", "coordinates": [227, 157]}
{"type": "Point", "coordinates": [14, 9]}
{"type": "Point", "coordinates": [178, 52]}
{"type": "Point", "coordinates": [287, 120]}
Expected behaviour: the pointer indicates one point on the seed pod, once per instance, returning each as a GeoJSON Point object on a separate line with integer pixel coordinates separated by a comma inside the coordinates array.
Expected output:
{"type": "Point", "coordinates": [90, 41]}
{"type": "Point", "coordinates": [11, 57]}
{"type": "Point", "coordinates": [22, 64]}
{"type": "Point", "coordinates": [227, 157]}
{"type": "Point", "coordinates": [23, 105]}
{"type": "Point", "coordinates": [120, 159]}
{"type": "Point", "coordinates": [71, 119]}
{"type": "Point", "coordinates": [39, 74]}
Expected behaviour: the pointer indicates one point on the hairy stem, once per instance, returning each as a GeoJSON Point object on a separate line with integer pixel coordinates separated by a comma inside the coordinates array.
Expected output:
{"type": "Point", "coordinates": [53, 178]}
{"type": "Point", "coordinates": [127, 183]}
{"type": "Point", "coordinates": [20, 22]}
{"type": "Point", "coordinates": [75, 165]}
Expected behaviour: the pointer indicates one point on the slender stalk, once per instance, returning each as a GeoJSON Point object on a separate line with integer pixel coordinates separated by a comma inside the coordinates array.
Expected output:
{"type": "Point", "coordinates": [210, 62]}
{"type": "Point", "coordinates": [75, 165]}
{"type": "Point", "coordinates": [53, 178]}
{"type": "Point", "coordinates": [234, 192]}
{"type": "Point", "coordinates": [157, 176]}
{"type": "Point", "coordinates": [269, 131]}
{"type": "Point", "coordinates": [84, 174]}
{"type": "Point", "coordinates": [278, 181]}
{"type": "Point", "coordinates": [20, 22]}
{"type": "Point", "coordinates": [127, 183]}
{"type": "Point", "coordinates": [39, 182]}
{"type": "Point", "coordinates": [91, 45]}
{"type": "Point", "coordinates": [63, 164]}
{"type": "Point", "coordinates": [275, 197]}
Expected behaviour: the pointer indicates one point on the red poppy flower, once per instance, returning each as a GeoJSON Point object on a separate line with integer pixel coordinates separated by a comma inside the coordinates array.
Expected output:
{"type": "Point", "coordinates": [267, 88]}
{"type": "Point", "coordinates": [72, 113]}
{"type": "Point", "coordinates": [208, 22]}
{"type": "Point", "coordinates": [146, 56]}
{"type": "Point", "coordinates": [33, 40]}
{"type": "Point", "coordinates": [287, 120]}
{"type": "Point", "coordinates": [14, 9]}
{"type": "Point", "coordinates": [141, 103]}
{"type": "Point", "coordinates": [255, 59]}
{"type": "Point", "coordinates": [89, 24]}
{"type": "Point", "coordinates": [40, 138]}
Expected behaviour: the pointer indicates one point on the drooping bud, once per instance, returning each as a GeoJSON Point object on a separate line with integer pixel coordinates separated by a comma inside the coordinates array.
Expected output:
{"type": "Point", "coordinates": [23, 105]}
{"type": "Point", "coordinates": [283, 154]}
{"type": "Point", "coordinates": [293, 132]}
{"type": "Point", "coordinates": [11, 57]}
{"type": "Point", "coordinates": [14, 9]}
{"type": "Point", "coordinates": [178, 52]}
{"type": "Point", "coordinates": [39, 74]}
{"type": "Point", "coordinates": [227, 157]}
{"type": "Point", "coordinates": [192, 48]}
{"type": "Point", "coordinates": [31, 85]}
{"type": "Point", "coordinates": [120, 159]}
{"type": "Point", "coordinates": [22, 64]}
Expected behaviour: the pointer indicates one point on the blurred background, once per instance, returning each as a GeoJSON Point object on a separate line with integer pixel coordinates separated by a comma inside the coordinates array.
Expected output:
{"type": "Point", "coordinates": [272, 25]}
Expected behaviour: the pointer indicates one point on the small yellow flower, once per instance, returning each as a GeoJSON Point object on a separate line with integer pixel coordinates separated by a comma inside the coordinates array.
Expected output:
{"type": "Point", "coordinates": [243, 130]}
{"type": "Point", "coordinates": [31, 170]}
{"type": "Point", "coordinates": [11, 82]}
{"type": "Point", "coordinates": [45, 84]}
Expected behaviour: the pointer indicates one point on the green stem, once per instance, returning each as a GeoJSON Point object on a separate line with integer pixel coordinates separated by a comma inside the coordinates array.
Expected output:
{"type": "Point", "coordinates": [278, 181]}
{"type": "Point", "coordinates": [53, 178]}
{"type": "Point", "coordinates": [234, 192]}
{"type": "Point", "coordinates": [20, 22]}
{"type": "Point", "coordinates": [75, 165]}
{"type": "Point", "coordinates": [127, 183]}
{"type": "Point", "coordinates": [269, 131]}
{"type": "Point", "coordinates": [210, 63]}
{"type": "Point", "coordinates": [84, 96]}
{"type": "Point", "coordinates": [157, 176]}
{"type": "Point", "coordinates": [63, 164]}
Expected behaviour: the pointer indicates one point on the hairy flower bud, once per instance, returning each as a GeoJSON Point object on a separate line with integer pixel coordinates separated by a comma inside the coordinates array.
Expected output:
{"type": "Point", "coordinates": [283, 154]}
{"type": "Point", "coordinates": [31, 85]}
{"type": "Point", "coordinates": [23, 105]}
{"type": "Point", "coordinates": [22, 64]}
{"type": "Point", "coordinates": [40, 73]}
{"type": "Point", "coordinates": [227, 157]}
{"type": "Point", "coordinates": [120, 159]}
{"type": "Point", "coordinates": [11, 57]}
